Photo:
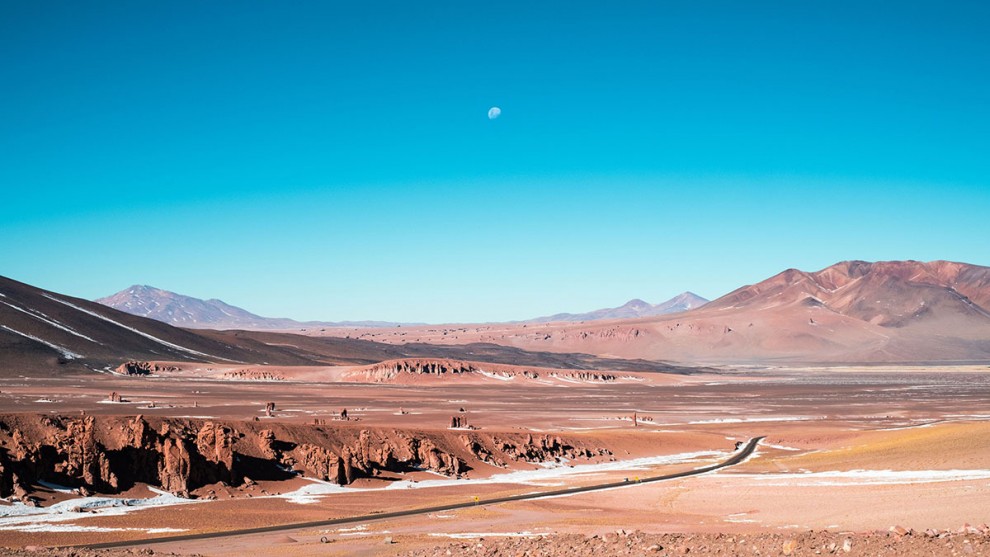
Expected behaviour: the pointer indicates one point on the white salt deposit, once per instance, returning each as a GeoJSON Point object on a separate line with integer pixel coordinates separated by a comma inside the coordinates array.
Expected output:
{"type": "Point", "coordinates": [496, 375]}
{"type": "Point", "coordinates": [473, 535]}
{"type": "Point", "coordinates": [865, 477]}
{"type": "Point", "coordinates": [26, 518]}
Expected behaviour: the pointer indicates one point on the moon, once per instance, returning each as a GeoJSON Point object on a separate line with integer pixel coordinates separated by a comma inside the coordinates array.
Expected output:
{"type": "Point", "coordinates": [494, 112]}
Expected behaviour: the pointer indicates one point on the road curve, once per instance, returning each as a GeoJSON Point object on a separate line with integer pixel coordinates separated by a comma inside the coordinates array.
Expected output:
{"type": "Point", "coordinates": [736, 458]}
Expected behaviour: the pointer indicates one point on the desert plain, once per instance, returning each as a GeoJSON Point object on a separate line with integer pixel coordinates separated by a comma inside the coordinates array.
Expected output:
{"type": "Point", "coordinates": [845, 450]}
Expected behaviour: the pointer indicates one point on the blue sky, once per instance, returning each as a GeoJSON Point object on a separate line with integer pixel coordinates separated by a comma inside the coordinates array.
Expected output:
{"type": "Point", "coordinates": [335, 160]}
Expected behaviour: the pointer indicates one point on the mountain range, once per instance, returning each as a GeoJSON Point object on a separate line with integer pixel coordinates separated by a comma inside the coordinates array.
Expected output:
{"type": "Point", "coordinates": [194, 313]}
{"type": "Point", "coordinates": [850, 312]}
{"type": "Point", "coordinates": [631, 309]}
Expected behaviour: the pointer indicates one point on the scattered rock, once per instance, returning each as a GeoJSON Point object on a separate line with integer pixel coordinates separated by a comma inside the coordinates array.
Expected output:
{"type": "Point", "coordinates": [900, 531]}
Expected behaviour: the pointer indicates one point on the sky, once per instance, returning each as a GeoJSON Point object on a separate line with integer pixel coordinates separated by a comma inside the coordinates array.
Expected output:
{"type": "Point", "coordinates": [336, 160]}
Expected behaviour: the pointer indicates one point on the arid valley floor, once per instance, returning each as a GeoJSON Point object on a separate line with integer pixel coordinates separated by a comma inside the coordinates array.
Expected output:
{"type": "Point", "coordinates": [846, 450]}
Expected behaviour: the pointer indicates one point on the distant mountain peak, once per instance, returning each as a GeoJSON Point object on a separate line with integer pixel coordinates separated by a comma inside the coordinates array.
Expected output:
{"type": "Point", "coordinates": [194, 313]}
{"type": "Point", "coordinates": [632, 309]}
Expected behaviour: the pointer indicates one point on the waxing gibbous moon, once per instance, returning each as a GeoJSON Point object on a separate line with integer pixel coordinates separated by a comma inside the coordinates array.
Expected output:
{"type": "Point", "coordinates": [494, 112]}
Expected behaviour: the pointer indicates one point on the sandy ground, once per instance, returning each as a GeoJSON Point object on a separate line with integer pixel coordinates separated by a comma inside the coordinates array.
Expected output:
{"type": "Point", "coordinates": [850, 451]}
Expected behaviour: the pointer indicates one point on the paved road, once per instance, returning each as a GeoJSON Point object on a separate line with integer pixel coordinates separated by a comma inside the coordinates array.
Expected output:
{"type": "Point", "coordinates": [736, 458]}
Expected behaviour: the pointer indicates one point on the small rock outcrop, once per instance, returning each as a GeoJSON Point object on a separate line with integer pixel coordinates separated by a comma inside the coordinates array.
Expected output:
{"type": "Point", "coordinates": [387, 370]}
{"type": "Point", "coordinates": [546, 448]}
{"type": "Point", "coordinates": [143, 368]}
{"type": "Point", "coordinates": [253, 375]}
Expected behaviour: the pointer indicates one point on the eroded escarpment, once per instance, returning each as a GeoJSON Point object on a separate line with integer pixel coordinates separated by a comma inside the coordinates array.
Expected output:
{"type": "Point", "coordinates": [391, 369]}
{"type": "Point", "coordinates": [110, 454]}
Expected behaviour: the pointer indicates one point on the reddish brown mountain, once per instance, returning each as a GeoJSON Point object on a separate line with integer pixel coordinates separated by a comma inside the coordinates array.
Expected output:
{"type": "Point", "coordinates": [887, 293]}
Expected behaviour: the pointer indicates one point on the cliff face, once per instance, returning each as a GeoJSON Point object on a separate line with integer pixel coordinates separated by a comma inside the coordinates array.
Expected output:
{"type": "Point", "coordinates": [111, 454]}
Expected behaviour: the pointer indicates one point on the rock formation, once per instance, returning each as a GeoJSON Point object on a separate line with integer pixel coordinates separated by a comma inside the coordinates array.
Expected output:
{"type": "Point", "coordinates": [143, 368]}
{"type": "Point", "coordinates": [253, 375]}
{"type": "Point", "coordinates": [385, 371]}
{"type": "Point", "coordinates": [392, 369]}
{"type": "Point", "coordinates": [107, 454]}
{"type": "Point", "coordinates": [111, 456]}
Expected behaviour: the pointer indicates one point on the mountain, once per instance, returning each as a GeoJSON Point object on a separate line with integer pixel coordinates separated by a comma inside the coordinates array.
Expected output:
{"type": "Point", "coordinates": [186, 311]}
{"type": "Point", "coordinates": [631, 309]}
{"type": "Point", "coordinates": [886, 293]}
{"type": "Point", "coordinates": [194, 313]}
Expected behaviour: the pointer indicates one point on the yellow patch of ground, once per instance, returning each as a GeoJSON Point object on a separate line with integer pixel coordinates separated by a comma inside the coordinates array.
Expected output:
{"type": "Point", "coordinates": [941, 446]}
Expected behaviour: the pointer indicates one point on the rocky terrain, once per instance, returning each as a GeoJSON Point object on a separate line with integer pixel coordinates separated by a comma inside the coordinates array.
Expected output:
{"type": "Point", "coordinates": [898, 542]}
{"type": "Point", "coordinates": [111, 454]}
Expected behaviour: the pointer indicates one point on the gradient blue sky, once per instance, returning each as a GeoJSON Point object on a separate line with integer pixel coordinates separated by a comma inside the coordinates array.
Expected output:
{"type": "Point", "coordinates": [334, 160]}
